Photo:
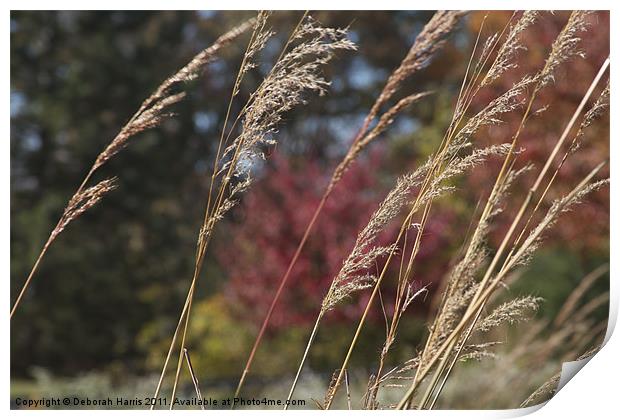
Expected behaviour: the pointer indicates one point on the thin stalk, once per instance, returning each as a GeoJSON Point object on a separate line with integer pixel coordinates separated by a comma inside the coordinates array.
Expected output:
{"type": "Point", "coordinates": [541, 175]}
{"type": "Point", "coordinates": [30, 276]}
{"type": "Point", "coordinates": [228, 110]}
{"type": "Point", "coordinates": [514, 248]}
{"type": "Point", "coordinates": [340, 168]}
{"type": "Point", "coordinates": [159, 95]}
{"type": "Point", "coordinates": [485, 291]}
{"type": "Point", "coordinates": [173, 341]}
{"type": "Point", "coordinates": [449, 369]}
{"type": "Point", "coordinates": [346, 382]}
{"type": "Point", "coordinates": [233, 93]}
{"type": "Point", "coordinates": [190, 368]}
{"type": "Point", "coordinates": [487, 209]}
{"type": "Point", "coordinates": [279, 291]}
{"type": "Point", "coordinates": [182, 317]}
{"type": "Point", "coordinates": [213, 206]}
{"type": "Point", "coordinates": [365, 315]}
{"type": "Point", "coordinates": [303, 359]}
{"type": "Point", "coordinates": [461, 107]}
{"type": "Point", "coordinates": [46, 247]}
{"type": "Point", "coordinates": [390, 330]}
{"type": "Point", "coordinates": [187, 308]}
{"type": "Point", "coordinates": [532, 191]}
{"type": "Point", "coordinates": [179, 363]}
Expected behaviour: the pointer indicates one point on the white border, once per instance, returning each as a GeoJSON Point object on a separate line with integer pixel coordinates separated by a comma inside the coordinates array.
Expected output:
{"type": "Point", "coordinates": [592, 395]}
{"type": "Point", "coordinates": [313, 5]}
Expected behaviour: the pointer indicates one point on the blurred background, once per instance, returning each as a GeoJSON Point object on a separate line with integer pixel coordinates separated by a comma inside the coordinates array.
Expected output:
{"type": "Point", "coordinates": [99, 316]}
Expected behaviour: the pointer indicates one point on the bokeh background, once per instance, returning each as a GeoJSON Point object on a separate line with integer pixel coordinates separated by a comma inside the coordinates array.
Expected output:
{"type": "Point", "coordinates": [98, 318]}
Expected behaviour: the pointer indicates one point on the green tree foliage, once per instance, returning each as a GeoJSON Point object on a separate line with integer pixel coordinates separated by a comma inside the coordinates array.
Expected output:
{"type": "Point", "coordinates": [122, 268]}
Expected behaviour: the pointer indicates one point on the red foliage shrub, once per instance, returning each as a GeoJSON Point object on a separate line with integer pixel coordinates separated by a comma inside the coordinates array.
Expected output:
{"type": "Point", "coordinates": [585, 227]}
{"type": "Point", "coordinates": [273, 217]}
{"type": "Point", "coordinates": [275, 212]}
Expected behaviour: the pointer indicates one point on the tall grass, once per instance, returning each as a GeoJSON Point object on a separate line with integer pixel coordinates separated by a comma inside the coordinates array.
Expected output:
{"type": "Point", "coordinates": [152, 112]}
{"type": "Point", "coordinates": [296, 72]}
{"type": "Point", "coordinates": [471, 304]}
{"type": "Point", "coordinates": [512, 252]}
{"type": "Point", "coordinates": [466, 294]}
{"type": "Point", "coordinates": [427, 43]}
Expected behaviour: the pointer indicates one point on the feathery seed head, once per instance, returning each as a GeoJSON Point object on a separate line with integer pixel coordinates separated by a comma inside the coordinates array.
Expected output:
{"type": "Point", "coordinates": [81, 202]}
